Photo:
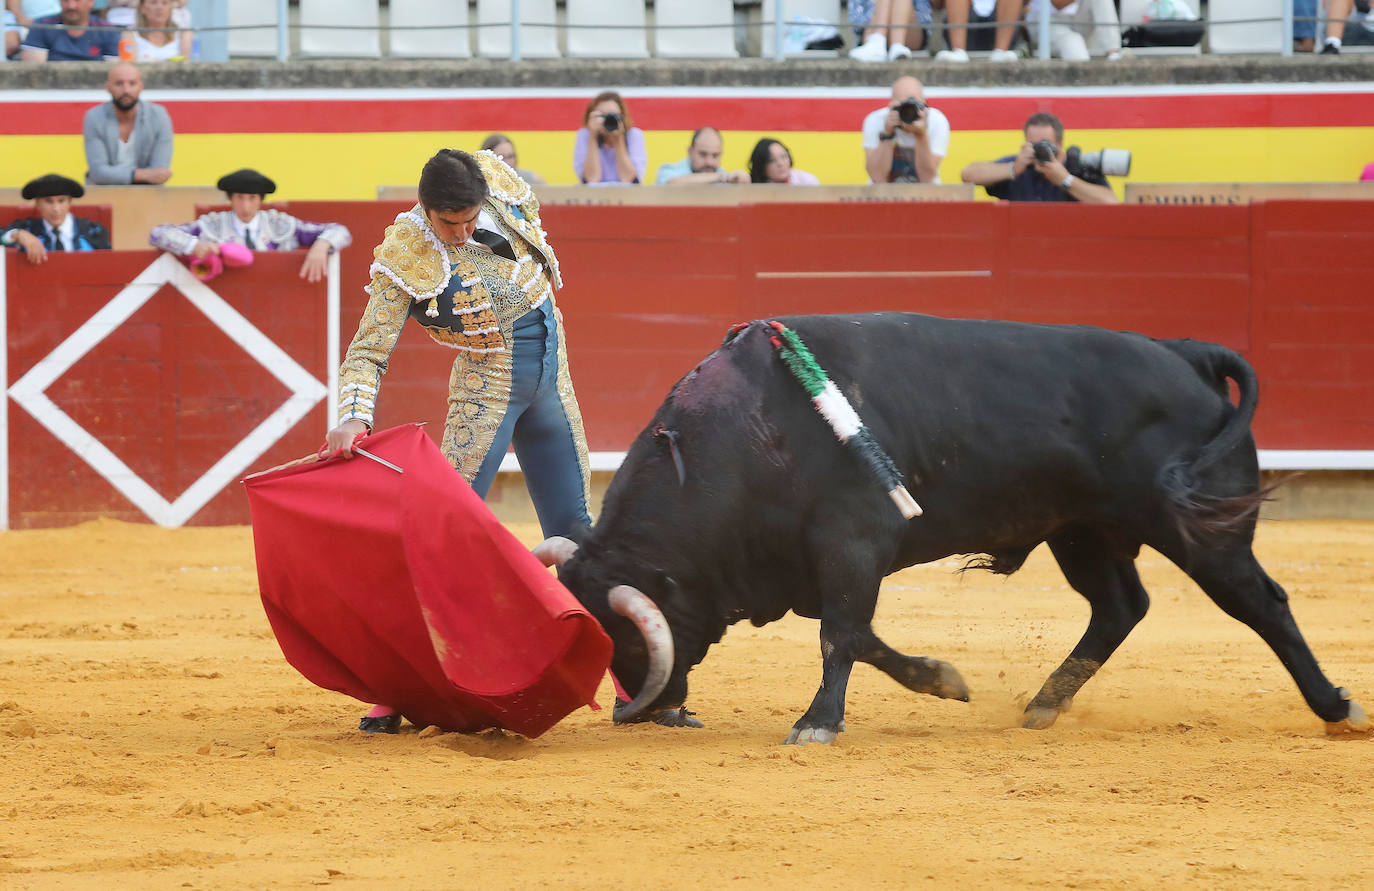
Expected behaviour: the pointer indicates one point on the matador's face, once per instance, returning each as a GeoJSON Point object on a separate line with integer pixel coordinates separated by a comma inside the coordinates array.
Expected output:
{"type": "Point", "coordinates": [453, 226]}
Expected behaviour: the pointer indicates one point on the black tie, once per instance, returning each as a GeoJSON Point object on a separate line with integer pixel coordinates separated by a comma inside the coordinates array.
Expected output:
{"type": "Point", "coordinates": [50, 239]}
{"type": "Point", "coordinates": [495, 241]}
{"type": "Point", "coordinates": [248, 240]}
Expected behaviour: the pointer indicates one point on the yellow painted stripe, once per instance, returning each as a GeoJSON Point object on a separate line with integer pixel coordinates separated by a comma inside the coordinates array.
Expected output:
{"type": "Point", "coordinates": [350, 166]}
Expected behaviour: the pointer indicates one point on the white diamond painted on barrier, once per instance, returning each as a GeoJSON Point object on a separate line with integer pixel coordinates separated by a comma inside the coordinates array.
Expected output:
{"type": "Point", "coordinates": [30, 391]}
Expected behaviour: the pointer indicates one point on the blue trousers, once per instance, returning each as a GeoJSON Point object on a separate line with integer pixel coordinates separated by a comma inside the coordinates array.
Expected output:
{"type": "Point", "coordinates": [538, 428]}
{"type": "Point", "coordinates": [1305, 9]}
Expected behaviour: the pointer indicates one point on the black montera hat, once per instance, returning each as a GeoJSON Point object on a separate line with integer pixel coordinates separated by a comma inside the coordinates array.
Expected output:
{"type": "Point", "coordinates": [52, 185]}
{"type": "Point", "coordinates": [246, 182]}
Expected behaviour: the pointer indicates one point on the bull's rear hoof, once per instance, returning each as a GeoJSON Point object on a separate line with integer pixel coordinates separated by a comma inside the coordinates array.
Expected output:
{"type": "Point", "coordinates": [802, 736]}
{"type": "Point", "coordinates": [952, 684]}
{"type": "Point", "coordinates": [1039, 718]}
{"type": "Point", "coordinates": [1355, 724]}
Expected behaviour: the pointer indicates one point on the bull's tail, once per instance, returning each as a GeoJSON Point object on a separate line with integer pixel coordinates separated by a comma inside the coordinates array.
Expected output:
{"type": "Point", "coordinates": [1200, 514]}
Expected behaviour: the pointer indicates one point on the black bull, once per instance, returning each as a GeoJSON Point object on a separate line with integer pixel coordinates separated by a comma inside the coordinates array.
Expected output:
{"type": "Point", "coordinates": [738, 501]}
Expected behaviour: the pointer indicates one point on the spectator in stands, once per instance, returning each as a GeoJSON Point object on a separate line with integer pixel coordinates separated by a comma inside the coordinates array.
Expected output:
{"type": "Point", "coordinates": [1021, 177]}
{"type": "Point", "coordinates": [77, 41]}
{"type": "Point", "coordinates": [771, 162]}
{"type": "Point", "coordinates": [246, 223]}
{"type": "Point", "coordinates": [500, 144]}
{"type": "Point", "coordinates": [702, 164]}
{"type": "Point", "coordinates": [1074, 24]}
{"type": "Point", "coordinates": [887, 32]}
{"type": "Point", "coordinates": [997, 41]}
{"type": "Point", "coordinates": [127, 140]}
{"type": "Point", "coordinates": [905, 141]}
{"type": "Point", "coordinates": [13, 34]}
{"type": "Point", "coordinates": [471, 263]}
{"type": "Point", "coordinates": [124, 13]}
{"type": "Point", "coordinates": [151, 43]}
{"type": "Point", "coordinates": [54, 228]}
{"type": "Point", "coordinates": [26, 11]}
{"type": "Point", "coordinates": [610, 148]}
{"type": "Point", "coordinates": [1305, 24]}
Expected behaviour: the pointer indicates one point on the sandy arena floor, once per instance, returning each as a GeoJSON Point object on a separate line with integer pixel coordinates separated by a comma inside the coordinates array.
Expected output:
{"type": "Point", "coordinates": [153, 737]}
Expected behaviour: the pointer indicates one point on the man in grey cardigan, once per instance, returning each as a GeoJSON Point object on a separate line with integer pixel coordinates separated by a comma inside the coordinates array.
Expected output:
{"type": "Point", "coordinates": [127, 141]}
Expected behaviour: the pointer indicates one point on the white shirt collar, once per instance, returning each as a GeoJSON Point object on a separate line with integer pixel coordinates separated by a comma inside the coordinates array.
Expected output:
{"type": "Point", "coordinates": [66, 232]}
{"type": "Point", "coordinates": [254, 226]}
{"type": "Point", "coordinates": [484, 221]}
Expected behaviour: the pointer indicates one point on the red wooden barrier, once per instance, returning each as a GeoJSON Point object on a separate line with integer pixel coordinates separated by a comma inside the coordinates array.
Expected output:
{"type": "Point", "coordinates": [651, 290]}
{"type": "Point", "coordinates": [168, 391]}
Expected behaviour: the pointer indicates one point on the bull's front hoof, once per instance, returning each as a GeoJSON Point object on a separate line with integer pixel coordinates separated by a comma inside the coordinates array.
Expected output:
{"type": "Point", "coordinates": [668, 717]}
{"type": "Point", "coordinates": [1039, 718]}
{"type": "Point", "coordinates": [802, 736]}
{"type": "Point", "coordinates": [952, 684]}
{"type": "Point", "coordinates": [1356, 723]}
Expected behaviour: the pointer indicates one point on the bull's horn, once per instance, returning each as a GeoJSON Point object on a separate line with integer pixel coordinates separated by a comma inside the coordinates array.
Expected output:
{"type": "Point", "coordinates": [635, 606]}
{"type": "Point", "coordinates": [555, 549]}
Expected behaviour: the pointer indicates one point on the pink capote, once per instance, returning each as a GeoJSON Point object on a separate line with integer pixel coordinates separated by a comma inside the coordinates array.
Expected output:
{"type": "Point", "coordinates": [231, 253]}
{"type": "Point", "coordinates": [404, 589]}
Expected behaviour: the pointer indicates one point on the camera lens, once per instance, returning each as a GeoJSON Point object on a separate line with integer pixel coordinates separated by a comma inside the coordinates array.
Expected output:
{"type": "Point", "coordinates": [910, 110]}
{"type": "Point", "coordinates": [611, 122]}
{"type": "Point", "coordinates": [1044, 151]}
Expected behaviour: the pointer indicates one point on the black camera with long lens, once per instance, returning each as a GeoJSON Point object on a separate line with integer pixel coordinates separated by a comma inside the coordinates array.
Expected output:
{"type": "Point", "coordinates": [1045, 151]}
{"type": "Point", "coordinates": [1104, 162]}
{"type": "Point", "coordinates": [611, 122]}
{"type": "Point", "coordinates": [910, 109]}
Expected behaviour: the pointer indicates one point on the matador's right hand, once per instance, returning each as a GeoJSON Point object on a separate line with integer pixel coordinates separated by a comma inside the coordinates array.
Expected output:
{"type": "Point", "coordinates": [340, 439]}
{"type": "Point", "coordinates": [202, 249]}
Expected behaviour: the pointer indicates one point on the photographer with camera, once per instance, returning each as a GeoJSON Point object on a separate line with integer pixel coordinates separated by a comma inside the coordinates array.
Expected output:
{"type": "Point", "coordinates": [1044, 171]}
{"type": "Point", "coordinates": [905, 141]}
{"type": "Point", "coordinates": [609, 149]}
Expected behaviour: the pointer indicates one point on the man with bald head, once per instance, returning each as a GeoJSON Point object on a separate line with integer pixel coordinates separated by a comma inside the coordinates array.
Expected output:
{"type": "Point", "coordinates": [905, 141]}
{"type": "Point", "coordinates": [67, 37]}
{"type": "Point", "coordinates": [702, 164]}
{"type": "Point", "coordinates": [127, 140]}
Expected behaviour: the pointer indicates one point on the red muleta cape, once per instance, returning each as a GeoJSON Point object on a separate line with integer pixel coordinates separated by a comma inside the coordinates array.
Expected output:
{"type": "Point", "coordinates": [404, 589]}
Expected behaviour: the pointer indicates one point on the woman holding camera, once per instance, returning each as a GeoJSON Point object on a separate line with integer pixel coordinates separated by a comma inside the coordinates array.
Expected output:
{"type": "Point", "coordinates": [771, 162]}
{"type": "Point", "coordinates": [609, 149]}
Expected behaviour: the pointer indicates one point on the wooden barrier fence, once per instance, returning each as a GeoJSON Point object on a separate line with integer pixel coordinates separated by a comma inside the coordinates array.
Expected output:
{"type": "Point", "coordinates": [179, 383]}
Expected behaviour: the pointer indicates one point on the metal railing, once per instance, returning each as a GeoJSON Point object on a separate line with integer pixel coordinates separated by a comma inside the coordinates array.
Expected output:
{"type": "Point", "coordinates": [210, 18]}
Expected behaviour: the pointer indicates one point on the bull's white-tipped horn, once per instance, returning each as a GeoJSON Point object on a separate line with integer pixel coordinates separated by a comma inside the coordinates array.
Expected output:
{"type": "Point", "coordinates": [555, 549]}
{"type": "Point", "coordinates": [638, 608]}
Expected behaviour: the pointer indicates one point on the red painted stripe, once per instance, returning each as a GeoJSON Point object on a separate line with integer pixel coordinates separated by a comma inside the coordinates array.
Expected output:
{"type": "Point", "coordinates": [741, 113]}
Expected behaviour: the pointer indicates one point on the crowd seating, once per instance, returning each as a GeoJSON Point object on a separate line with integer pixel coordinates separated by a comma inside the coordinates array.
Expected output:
{"type": "Point", "coordinates": [538, 36]}
{"type": "Point", "coordinates": [1232, 26]}
{"type": "Point", "coordinates": [440, 30]}
{"type": "Point", "coordinates": [634, 29]}
{"type": "Point", "coordinates": [344, 28]}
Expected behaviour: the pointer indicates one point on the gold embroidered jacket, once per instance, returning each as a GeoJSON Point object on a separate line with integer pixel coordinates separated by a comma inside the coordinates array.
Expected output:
{"type": "Point", "coordinates": [468, 299]}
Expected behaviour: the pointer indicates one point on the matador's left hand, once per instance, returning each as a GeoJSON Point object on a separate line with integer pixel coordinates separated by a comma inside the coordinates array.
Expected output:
{"type": "Point", "coordinates": [316, 262]}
